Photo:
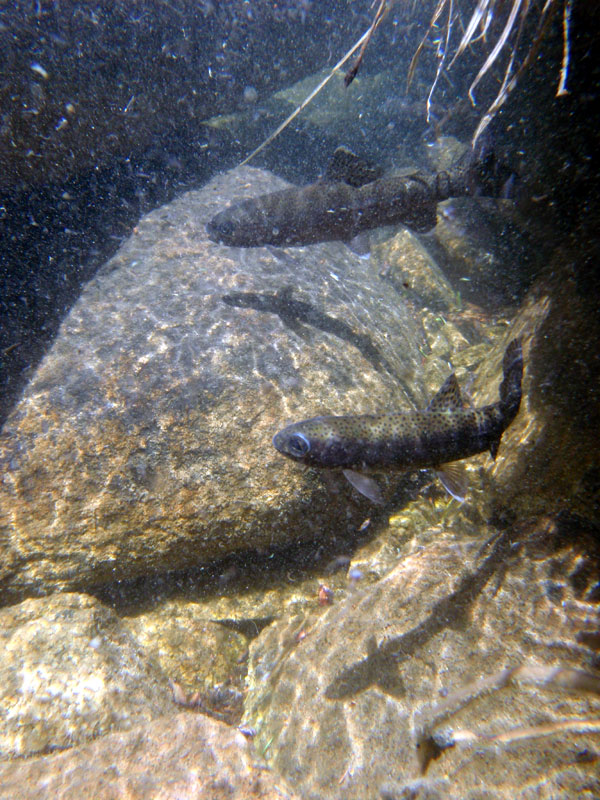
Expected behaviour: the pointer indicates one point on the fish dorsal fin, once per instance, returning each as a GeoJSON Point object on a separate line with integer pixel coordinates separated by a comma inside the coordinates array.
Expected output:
{"type": "Point", "coordinates": [346, 167]}
{"type": "Point", "coordinates": [448, 398]}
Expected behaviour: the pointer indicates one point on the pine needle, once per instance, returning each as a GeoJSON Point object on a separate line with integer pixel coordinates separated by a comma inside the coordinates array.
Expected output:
{"type": "Point", "coordinates": [363, 39]}
{"type": "Point", "coordinates": [564, 70]}
{"type": "Point", "coordinates": [500, 43]}
{"type": "Point", "coordinates": [413, 63]}
{"type": "Point", "coordinates": [480, 21]}
{"type": "Point", "coordinates": [441, 55]}
{"type": "Point", "coordinates": [381, 11]}
{"type": "Point", "coordinates": [478, 14]}
{"type": "Point", "coordinates": [508, 85]}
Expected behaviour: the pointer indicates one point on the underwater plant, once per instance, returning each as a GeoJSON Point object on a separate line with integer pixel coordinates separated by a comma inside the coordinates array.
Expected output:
{"type": "Point", "coordinates": [489, 15]}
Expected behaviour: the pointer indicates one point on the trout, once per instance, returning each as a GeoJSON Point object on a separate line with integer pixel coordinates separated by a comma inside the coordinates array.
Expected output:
{"type": "Point", "coordinates": [445, 432]}
{"type": "Point", "coordinates": [350, 200]}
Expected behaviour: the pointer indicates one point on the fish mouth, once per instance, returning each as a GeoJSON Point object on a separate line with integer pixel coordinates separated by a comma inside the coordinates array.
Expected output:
{"type": "Point", "coordinates": [292, 443]}
{"type": "Point", "coordinates": [277, 442]}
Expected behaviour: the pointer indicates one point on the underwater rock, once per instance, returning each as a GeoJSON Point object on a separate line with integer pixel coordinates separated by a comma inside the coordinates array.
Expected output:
{"type": "Point", "coordinates": [410, 269]}
{"type": "Point", "coordinates": [466, 667]}
{"type": "Point", "coordinates": [71, 672]}
{"type": "Point", "coordinates": [143, 442]}
{"type": "Point", "coordinates": [206, 660]}
{"type": "Point", "coordinates": [547, 464]}
{"type": "Point", "coordinates": [484, 248]}
{"type": "Point", "coordinates": [182, 757]}
{"type": "Point", "coordinates": [482, 252]}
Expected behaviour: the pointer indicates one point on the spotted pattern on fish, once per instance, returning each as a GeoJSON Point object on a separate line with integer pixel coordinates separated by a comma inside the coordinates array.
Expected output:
{"type": "Point", "coordinates": [443, 433]}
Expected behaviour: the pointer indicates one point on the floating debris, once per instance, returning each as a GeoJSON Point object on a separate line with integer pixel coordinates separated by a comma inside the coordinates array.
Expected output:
{"type": "Point", "coordinates": [40, 70]}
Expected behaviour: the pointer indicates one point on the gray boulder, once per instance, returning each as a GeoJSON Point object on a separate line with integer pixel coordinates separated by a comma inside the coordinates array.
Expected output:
{"type": "Point", "coordinates": [143, 442]}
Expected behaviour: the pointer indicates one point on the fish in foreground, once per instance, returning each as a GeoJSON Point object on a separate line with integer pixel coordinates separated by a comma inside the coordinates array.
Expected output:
{"type": "Point", "coordinates": [445, 432]}
{"type": "Point", "coordinates": [351, 199]}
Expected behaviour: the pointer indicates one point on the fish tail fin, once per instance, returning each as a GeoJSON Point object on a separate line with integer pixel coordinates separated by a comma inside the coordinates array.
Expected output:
{"type": "Point", "coordinates": [492, 175]}
{"type": "Point", "coordinates": [483, 172]}
{"type": "Point", "coordinates": [510, 388]}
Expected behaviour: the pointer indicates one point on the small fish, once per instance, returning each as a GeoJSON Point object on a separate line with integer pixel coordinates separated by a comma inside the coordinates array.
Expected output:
{"type": "Point", "coordinates": [445, 432]}
{"type": "Point", "coordinates": [351, 199]}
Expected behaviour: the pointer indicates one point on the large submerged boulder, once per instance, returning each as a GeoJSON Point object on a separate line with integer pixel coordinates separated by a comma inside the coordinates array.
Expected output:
{"type": "Point", "coordinates": [143, 442]}
{"type": "Point", "coordinates": [181, 757]}
{"type": "Point", "coordinates": [469, 670]}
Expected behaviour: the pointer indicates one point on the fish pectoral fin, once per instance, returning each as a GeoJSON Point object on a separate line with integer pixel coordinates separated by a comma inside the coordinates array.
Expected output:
{"type": "Point", "coordinates": [346, 167]}
{"type": "Point", "coordinates": [448, 397]}
{"type": "Point", "coordinates": [454, 480]}
{"type": "Point", "coordinates": [364, 485]}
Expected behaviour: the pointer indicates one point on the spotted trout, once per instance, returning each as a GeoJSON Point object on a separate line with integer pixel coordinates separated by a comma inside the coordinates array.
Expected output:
{"type": "Point", "coordinates": [445, 432]}
{"type": "Point", "coordinates": [352, 198]}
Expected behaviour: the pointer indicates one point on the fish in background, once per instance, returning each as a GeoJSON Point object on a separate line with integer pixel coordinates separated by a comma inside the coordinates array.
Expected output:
{"type": "Point", "coordinates": [445, 432]}
{"type": "Point", "coordinates": [353, 198]}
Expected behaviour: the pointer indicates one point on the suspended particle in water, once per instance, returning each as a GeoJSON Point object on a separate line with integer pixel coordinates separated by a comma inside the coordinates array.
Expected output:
{"type": "Point", "coordinates": [250, 95]}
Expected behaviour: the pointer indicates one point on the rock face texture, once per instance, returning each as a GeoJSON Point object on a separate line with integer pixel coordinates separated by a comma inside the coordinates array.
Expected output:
{"type": "Point", "coordinates": [458, 656]}
{"type": "Point", "coordinates": [182, 757]}
{"type": "Point", "coordinates": [546, 464]}
{"type": "Point", "coordinates": [143, 442]}
{"type": "Point", "coordinates": [470, 670]}
{"type": "Point", "coordinates": [71, 672]}
{"type": "Point", "coordinates": [198, 654]}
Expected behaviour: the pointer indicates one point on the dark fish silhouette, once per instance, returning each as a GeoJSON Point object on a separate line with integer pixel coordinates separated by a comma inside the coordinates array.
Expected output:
{"type": "Point", "coordinates": [445, 432]}
{"type": "Point", "coordinates": [295, 312]}
{"type": "Point", "coordinates": [351, 199]}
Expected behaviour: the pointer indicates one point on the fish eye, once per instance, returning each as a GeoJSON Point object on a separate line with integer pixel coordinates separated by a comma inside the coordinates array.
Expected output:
{"type": "Point", "coordinates": [298, 445]}
{"type": "Point", "coordinates": [225, 227]}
